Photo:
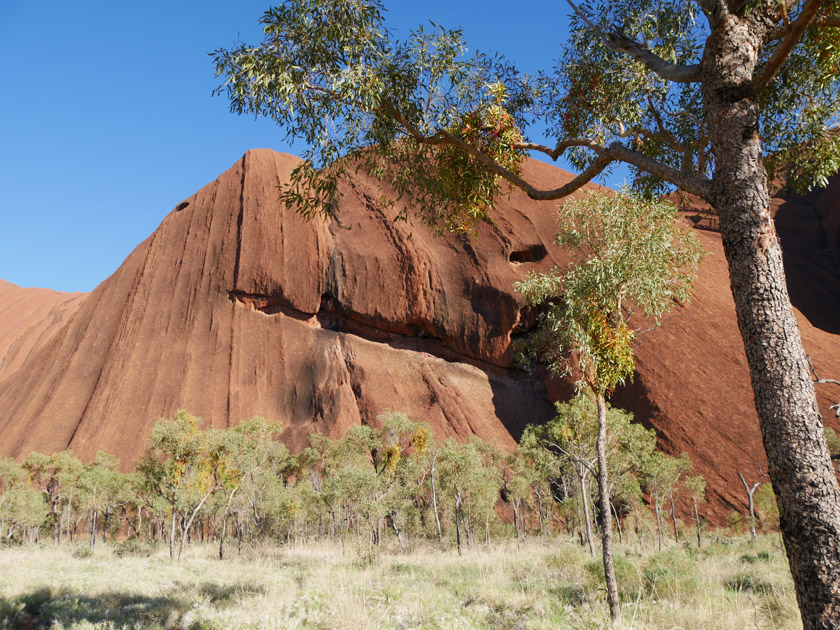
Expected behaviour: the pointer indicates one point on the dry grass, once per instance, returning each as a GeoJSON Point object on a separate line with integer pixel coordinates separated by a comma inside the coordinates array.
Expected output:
{"type": "Point", "coordinates": [532, 585]}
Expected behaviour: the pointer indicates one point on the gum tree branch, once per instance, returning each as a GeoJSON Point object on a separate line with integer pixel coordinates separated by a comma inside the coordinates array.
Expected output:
{"type": "Point", "coordinates": [791, 38]}
{"type": "Point", "coordinates": [618, 42]}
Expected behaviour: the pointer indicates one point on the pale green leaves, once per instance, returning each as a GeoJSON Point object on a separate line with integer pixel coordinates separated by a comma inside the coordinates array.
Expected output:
{"type": "Point", "coordinates": [328, 72]}
{"type": "Point", "coordinates": [630, 255]}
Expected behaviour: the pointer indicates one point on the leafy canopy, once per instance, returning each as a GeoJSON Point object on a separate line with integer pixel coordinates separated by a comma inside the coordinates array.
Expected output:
{"type": "Point", "coordinates": [629, 255]}
{"type": "Point", "coordinates": [443, 126]}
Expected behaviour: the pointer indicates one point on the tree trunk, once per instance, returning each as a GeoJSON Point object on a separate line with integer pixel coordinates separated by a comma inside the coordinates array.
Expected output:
{"type": "Point", "coordinates": [516, 518]}
{"type": "Point", "coordinates": [657, 508]}
{"type": "Point", "coordinates": [618, 525]}
{"type": "Point", "coordinates": [434, 500]}
{"type": "Point", "coordinates": [224, 524]}
{"type": "Point", "coordinates": [750, 493]}
{"type": "Point", "coordinates": [172, 535]}
{"type": "Point", "coordinates": [605, 513]}
{"type": "Point", "coordinates": [697, 523]}
{"type": "Point", "coordinates": [92, 530]}
{"type": "Point", "coordinates": [674, 517]}
{"type": "Point", "coordinates": [458, 525]}
{"type": "Point", "coordinates": [585, 498]}
{"type": "Point", "coordinates": [800, 469]}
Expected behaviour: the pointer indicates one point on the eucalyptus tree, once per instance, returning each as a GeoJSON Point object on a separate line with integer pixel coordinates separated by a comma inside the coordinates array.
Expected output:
{"type": "Point", "coordinates": [570, 438]}
{"type": "Point", "coordinates": [471, 480]}
{"type": "Point", "coordinates": [250, 455]}
{"type": "Point", "coordinates": [661, 475]}
{"type": "Point", "coordinates": [54, 476]}
{"type": "Point", "coordinates": [101, 485]}
{"type": "Point", "coordinates": [22, 507]}
{"type": "Point", "coordinates": [705, 95]}
{"type": "Point", "coordinates": [178, 469]}
{"type": "Point", "coordinates": [629, 255]}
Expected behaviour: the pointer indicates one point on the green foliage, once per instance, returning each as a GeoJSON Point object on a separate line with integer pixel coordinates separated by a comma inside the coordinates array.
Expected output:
{"type": "Point", "coordinates": [832, 441]}
{"type": "Point", "coordinates": [330, 73]}
{"type": "Point", "coordinates": [630, 255]}
{"type": "Point", "coordinates": [765, 505]}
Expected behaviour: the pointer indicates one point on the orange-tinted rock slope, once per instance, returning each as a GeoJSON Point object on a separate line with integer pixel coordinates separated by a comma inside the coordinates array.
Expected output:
{"type": "Point", "coordinates": [28, 318]}
{"type": "Point", "coordinates": [236, 307]}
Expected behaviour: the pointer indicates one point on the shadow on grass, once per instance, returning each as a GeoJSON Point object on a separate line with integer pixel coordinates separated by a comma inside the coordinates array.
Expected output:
{"type": "Point", "coordinates": [44, 607]}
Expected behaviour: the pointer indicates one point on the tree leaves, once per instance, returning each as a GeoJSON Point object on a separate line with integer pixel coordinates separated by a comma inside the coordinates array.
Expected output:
{"type": "Point", "coordinates": [630, 255]}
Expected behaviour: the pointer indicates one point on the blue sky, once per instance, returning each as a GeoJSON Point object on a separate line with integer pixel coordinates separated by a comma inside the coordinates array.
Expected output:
{"type": "Point", "coordinates": [107, 119]}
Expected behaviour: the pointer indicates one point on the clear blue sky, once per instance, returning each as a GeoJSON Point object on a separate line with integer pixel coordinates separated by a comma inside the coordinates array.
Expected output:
{"type": "Point", "coordinates": [107, 119]}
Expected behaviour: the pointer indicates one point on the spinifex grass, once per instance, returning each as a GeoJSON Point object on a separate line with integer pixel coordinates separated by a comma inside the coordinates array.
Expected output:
{"type": "Point", "coordinates": [534, 584]}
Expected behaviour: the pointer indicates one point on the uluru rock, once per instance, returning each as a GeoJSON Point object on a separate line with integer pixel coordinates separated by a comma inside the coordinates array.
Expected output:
{"type": "Point", "coordinates": [28, 318]}
{"type": "Point", "coordinates": [236, 307]}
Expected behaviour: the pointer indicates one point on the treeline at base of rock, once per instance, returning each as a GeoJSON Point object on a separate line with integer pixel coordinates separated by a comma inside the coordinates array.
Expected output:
{"type": "Point", "coordinates": [242, 483]}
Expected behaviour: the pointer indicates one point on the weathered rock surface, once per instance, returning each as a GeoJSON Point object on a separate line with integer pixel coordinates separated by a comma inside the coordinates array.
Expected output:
{"type": "Point", "coordinates": [236, 307]}
{"type": "Point", "coordinates": [28, 318]}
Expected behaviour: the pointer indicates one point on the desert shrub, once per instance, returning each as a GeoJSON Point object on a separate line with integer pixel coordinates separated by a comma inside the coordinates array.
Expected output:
{"type": "Point", "coordinates": [81, 552]}
{"type": "Point", "coordinates": [670, 573]}
{"type": "Point", "coordinates": [134, 548]}
{"type": "Point", "coordinates": [749, 583]}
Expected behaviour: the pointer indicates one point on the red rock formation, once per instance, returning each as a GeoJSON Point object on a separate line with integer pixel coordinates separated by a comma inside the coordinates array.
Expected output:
{"type": "Point", "coordinates": [236, 307]}
{"type": "Point", "coordinates": [28, 318]}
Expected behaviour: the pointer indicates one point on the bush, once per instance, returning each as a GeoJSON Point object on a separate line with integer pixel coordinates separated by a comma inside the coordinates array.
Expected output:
{"type": "Point", "coordinates": [747, 582]}
{"type": "Point", "coordinates": [136, 548]}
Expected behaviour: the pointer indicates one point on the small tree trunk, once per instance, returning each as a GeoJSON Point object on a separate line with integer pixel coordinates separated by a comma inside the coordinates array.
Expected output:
{"type": "Point", "coordinates": [657, 508]}
{"type": "Point", "coordinates": [674, 517]}
{"type": "Point", "coordinates": [697, 522]}
{"type": "Point", "coordinates": [92, 530]}
{"type": "Point", "coordinates": [172, 534]}
{"type": "Point", "coordinates": [618, 526]}
{"type": "Point", "coordinates": [458, 525]}
{"type": "Point", "coordinates": [224, 524]}
{"type": "Point", "coordinates": [584, 496]}
{"type": "Point", "coordinates": [605, 513]}
{"type": "Point", "coordinates": [516, 518]}
{"type": "Point", "coordinates": [434, 500]}
{"type": "Point", "coordinates": [750, 493]}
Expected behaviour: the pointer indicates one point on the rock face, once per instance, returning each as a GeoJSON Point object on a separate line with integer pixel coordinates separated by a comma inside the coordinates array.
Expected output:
{"type": "Point", "coordinates": [28, 318]}
{"type": "Point", "coordinates": [235, 307]}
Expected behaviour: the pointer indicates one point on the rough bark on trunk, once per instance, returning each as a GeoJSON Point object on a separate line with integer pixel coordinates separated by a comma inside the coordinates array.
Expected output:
{"type": "Point", "coordinates": [605, 513]}
{"type": "Point", "coordinates": [800, 469]}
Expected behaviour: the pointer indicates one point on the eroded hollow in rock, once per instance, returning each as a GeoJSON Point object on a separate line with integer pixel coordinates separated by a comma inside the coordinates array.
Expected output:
{"type": "Point", "coordinates": [532, 253]}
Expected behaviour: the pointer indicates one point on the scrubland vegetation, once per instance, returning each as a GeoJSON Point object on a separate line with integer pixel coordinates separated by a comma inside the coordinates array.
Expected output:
{"type": "Point", "coordinates": [385, 527]}
{"type": "Point", "coordinates": [538, 582]}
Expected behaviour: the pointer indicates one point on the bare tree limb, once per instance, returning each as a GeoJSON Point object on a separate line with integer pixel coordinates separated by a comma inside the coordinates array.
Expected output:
{"type": "Point", "coordinates": [558, 150]}
{"type": "Point", "coordinates": [689, 183]}
{"type": "Point", "coordinates": [817, 379]}
{"type": "Point", "coordinates": [789, 41]}
{"type": "Point", "coordinates": [601, 162]}
{"type": "Point", "coordinates": [821, 22]}
{"type": "Point", "coordinates": [618, 42]}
